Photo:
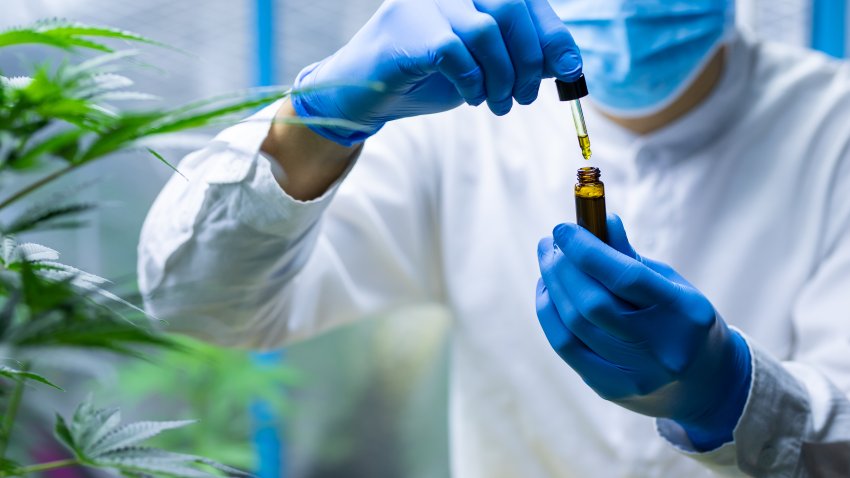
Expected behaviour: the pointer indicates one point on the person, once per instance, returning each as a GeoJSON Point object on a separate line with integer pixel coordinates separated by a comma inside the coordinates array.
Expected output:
{"type": "Point", "coordinates": [725, 158]}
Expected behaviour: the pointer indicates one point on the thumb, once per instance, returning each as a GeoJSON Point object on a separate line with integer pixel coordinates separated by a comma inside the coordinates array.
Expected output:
{"type": "Point", "coordinates": [618, 239]}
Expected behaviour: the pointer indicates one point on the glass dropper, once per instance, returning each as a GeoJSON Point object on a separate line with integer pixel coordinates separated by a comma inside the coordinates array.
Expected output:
{"type": "Point", "coordinates": [572, 92]}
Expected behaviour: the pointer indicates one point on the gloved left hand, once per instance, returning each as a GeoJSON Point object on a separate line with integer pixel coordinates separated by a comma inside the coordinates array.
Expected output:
{"type": "Point", "coordinates": [640, 335]}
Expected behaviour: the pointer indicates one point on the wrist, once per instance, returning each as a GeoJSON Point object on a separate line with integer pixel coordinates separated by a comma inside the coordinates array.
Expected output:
{"type": "Point", "coordinates": [716, 425]}
{"type": "Point", "coordinates": [310, 101]}
{"type": "Point", "coordinates": [310, 162]}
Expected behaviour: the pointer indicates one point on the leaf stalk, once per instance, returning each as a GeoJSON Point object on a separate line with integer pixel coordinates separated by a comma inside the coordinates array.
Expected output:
{"type": "Point", "coordinates": [38, 184]}
{"type": "Point", "coordinates": [12, 411]}
{"type": "Point", "coordinates": [50, 465]}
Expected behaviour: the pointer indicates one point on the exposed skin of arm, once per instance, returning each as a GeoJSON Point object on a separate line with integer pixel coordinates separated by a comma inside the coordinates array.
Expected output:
{"type": "Point", "coordinates": [311, 162]}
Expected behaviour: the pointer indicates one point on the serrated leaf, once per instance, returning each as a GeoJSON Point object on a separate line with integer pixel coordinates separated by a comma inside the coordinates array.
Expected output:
{"type": "Point", "coordinates": [89, 422]}
{"type": "Point", "coordinates": [63, 273]}
{"type": "Point", "coordinates": [21, 37]}
{"type": "Point", "coordinates": [66, 28]}
{"type": "Point", "coordinates": [83, 43]}
{"type": "Point", "coordinates": [133, 434]}
{"type": "Point", "coordinates": [98, 440]}
{"type": "Point", "coordinates": [15, 82]}
{"type": "Point", "coordinates": [67, 35]}
{"type": "Point", "coordinates": [141, 454]}
{"type": "Point", "coordinates": [158, 468]}
{"type": "Point", "coordinates": [45, 217]}
{"type": "Point", "coordinates": [19, 374]}
{"type": "Point", "coordinates": [63, 434]}
{"type": "Point", "coordinates": [10, 254]}
{"type": "Point", "coordinates": [110, 420]}
{"type": "Point", "coordinates": [37, 253]}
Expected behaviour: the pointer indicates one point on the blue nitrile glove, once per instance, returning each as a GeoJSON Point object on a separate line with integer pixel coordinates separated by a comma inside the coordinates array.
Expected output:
{"type": "Point", "coordinates": [640, 335]}
{"type": "Point", "coordinates": [431, 56]}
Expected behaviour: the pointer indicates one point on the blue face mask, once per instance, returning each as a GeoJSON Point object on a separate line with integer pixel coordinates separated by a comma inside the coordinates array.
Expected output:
{"type": "Point", "coordinates": [639, 55]}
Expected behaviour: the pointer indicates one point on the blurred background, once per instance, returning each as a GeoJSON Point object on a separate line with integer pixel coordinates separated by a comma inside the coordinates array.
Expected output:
{"type": "Point", "coordinates": [368, 400]}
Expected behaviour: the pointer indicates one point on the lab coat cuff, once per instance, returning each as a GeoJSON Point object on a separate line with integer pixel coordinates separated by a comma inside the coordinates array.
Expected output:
{"type": "Point", "coordinates": [266, 207]}
{"type": "Point", "coordinates": [260, 201]}
{"type": "Point", "coordinates": [768, 436]}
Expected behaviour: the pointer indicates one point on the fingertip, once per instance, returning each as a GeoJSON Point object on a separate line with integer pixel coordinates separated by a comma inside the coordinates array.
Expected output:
{"type": "Point", "coordinates": [545, 249]}
{"type": "Point", "coordinates": [502, 107]}
{"type": "Point", "coordinates": [563, 233]}
{"type": "Point", "coordinates": [528, 94]}
{"type": "Point", "coordinates": [569, 66]}
{"type": "Point", "coordinates": [527, 100]}
{"type": "Point", "coordinates": [476, 101]}
{"type": "Point", "coordinates": [615, 224]}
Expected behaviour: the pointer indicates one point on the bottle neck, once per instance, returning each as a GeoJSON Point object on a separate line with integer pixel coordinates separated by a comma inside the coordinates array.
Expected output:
{"type": "Point", "coordinates": [588, 175]}
{"type": "Point", "coordinates": [589, 186]}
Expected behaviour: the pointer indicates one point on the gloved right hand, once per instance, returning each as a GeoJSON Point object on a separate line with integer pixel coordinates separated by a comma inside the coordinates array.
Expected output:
{"type": "Point", "coordinates": [433, 55]}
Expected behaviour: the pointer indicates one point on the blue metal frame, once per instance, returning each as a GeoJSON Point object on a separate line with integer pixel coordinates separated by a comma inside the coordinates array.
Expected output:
{"type": "Point", "coordinates": [829, 27]}
{"type": "Point", "coordinates": [268, 442]}
{"type": "Point", "coordinates": [265, 46]}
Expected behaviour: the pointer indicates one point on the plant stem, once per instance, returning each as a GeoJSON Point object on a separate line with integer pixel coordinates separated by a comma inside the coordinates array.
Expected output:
{"type": "Point", "coordinates": [50, 465]}
{"type": "Point", "coordinates": [11, 412]}
{"type": "Point", "coordinates": [38, 184]}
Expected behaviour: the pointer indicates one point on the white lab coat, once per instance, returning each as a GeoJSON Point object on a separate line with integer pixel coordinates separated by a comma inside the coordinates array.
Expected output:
{"type": "Point", "coordinates": [748, 197]}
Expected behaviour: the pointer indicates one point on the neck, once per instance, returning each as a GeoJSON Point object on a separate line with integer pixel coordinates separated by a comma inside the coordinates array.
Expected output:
{"type": "Point", "coordinates": [695, 94]}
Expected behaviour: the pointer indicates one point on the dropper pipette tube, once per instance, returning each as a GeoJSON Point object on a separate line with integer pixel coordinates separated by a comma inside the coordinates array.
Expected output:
{"type": "Point", "coordinates": [572, 92]}
{"type": "Point", "coordinates": [581, 128]}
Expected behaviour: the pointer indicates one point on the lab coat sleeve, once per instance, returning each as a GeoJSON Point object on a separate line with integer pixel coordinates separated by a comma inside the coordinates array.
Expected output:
{"type": "Point", "coordinates": [229, 257]}
{"type": "Point", "coordinates": [796, 422]}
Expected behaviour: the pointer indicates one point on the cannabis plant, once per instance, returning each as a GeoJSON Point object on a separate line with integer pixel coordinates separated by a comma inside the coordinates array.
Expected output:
{"type": "Point", "coordinates": [58, 119]}
{"type": "Point", "coordinates": [195, 386]}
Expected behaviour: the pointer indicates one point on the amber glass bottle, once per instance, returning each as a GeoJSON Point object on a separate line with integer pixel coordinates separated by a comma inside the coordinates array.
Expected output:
{"type": "Point", "coordinates": [590, 202]}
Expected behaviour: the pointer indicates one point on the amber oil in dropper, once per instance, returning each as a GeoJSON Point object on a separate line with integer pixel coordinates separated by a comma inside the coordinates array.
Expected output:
{"type": "Point", "coordinates": [581, 128]}
{"type": "Point", "coordinates": [584, 143]}
{"type": "Point", "coordinates": [572, 92]}
{"type": "Point", "coordinates": [590, 202]}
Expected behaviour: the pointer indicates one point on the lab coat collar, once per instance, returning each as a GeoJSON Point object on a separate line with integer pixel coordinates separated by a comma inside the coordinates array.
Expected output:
{"type": "Point", "coordinates": [704, 124]}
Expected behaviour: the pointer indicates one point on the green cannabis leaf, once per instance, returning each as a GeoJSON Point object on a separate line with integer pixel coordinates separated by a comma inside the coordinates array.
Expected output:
{"type": "Point", "coordinates": [60, 117]}
{"type": "Point", "coordinates": [67, 35]}
{"type": "Point", "coordinates": [16, 374]}
{"type": "Point", "coordinates": [97, 438]}
{"type": "Point", "coordinates": [193, 375]}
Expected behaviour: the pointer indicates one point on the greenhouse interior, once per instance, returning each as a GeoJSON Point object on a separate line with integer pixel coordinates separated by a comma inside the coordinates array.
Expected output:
{"type": "Point", "coordinates": [103, 375]}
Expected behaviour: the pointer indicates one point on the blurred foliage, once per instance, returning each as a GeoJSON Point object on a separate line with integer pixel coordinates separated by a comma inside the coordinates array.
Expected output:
{"type": "Point", "coordinates": [218, 384]}
{"type": "Point", "coordinates": [61, 118]}
{"type": "Point", "coordinates": [98, 439]}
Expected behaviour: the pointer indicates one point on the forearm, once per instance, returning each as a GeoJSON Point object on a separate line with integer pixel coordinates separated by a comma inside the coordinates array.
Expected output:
{"type": "Point", "coordinates": [211, 244]}
{"type": "Point", "coordinates": [310, 162]}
